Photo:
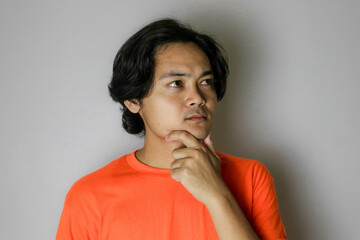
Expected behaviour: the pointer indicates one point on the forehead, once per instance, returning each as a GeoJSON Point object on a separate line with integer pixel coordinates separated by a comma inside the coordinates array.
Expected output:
{"type": "Point", "coordinates": [187, 57]}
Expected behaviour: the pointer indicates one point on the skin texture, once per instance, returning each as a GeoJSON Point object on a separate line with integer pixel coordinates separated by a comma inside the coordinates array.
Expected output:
{"type": "Point", "coordinates": [174, 142]}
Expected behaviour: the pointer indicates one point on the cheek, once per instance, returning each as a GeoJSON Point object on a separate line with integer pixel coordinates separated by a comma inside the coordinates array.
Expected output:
{"type": "Point", "coordinates": [165, 110]}
{"type": "Point", "coordinates": [166, 116]}
{"type": "Point", "coordinates": [171, 107]}
{"type": "Point", "coordinates": [212, 101]}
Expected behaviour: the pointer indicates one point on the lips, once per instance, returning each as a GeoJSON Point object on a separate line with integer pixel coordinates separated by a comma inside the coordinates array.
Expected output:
{"type": "Point", "coordinates": [197, 116]}
{"type": "Point", "coordinates": [197, 119]}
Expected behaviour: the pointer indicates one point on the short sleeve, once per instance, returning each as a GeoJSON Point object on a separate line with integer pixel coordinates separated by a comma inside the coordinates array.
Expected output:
{"type": "Point", "coordinates": [79, 218]}
{"type": "Point", "coordinates": [265, 211]}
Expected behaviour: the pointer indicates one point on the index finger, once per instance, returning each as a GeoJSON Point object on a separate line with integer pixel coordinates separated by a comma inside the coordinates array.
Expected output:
{"type": "Point", "coordinates": [185, 137]}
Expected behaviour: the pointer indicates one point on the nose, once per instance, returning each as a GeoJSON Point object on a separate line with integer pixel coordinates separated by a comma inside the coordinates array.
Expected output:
{"type": "Point", "coordinates": [195, 98]}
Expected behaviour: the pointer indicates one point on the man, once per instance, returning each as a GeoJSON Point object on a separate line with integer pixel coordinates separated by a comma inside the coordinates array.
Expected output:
{"type": "Point", "coordinates": [168, 79]}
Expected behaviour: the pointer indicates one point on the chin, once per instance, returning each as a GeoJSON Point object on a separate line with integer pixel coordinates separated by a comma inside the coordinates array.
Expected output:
{"type": "Point", "coordinates": [200, 135]}
{"type": "Point", "coordinates": [198, 132]}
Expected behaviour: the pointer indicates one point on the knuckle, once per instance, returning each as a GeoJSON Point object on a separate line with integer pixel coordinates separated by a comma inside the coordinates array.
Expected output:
{"type": "Point", "coordinates": [186, 171]}
{"type": "Point", "coordinates": [188, 163]}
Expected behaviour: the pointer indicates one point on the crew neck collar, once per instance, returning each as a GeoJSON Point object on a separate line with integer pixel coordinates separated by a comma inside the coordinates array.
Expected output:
{"type": "Point", "coordinates": [142, 167]}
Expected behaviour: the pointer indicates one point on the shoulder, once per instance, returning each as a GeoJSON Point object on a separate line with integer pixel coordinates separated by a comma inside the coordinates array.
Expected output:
{"type": "Point", "coordinates": [245, 170]}
{"type": "Point", "coordinates": [243, 164]}
{"type": "Point", "coordinates": [91, 183]}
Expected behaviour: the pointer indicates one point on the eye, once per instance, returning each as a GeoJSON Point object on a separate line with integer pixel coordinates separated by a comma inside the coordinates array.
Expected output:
{"type": "Point", "coordinates": [175, 83]}
{"type": "Point", "coordinates": [207, 81]}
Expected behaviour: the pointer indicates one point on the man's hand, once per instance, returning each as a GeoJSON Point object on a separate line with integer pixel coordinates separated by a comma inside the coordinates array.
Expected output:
{"type": "Point", "coordinates": [197, 166]}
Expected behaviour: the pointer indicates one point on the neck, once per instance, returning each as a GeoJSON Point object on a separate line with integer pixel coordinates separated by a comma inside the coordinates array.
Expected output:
{"type": "Point", "coordinates": [156, 152]}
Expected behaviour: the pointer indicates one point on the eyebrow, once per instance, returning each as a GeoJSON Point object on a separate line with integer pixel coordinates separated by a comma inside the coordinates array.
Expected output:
{"type": "Point", "coordinates": [181, 74]}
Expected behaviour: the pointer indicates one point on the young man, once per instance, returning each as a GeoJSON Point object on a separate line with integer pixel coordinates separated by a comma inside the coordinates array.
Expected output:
{"type": "Point", "coordinates": [168, 79]}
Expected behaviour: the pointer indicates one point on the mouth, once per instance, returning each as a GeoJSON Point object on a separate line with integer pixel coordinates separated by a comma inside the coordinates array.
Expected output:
{"type": "Point", "coordinates": [197, 118]}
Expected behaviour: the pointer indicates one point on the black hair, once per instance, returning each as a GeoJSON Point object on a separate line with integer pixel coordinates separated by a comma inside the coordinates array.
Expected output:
{"type": "Point", "coordinates": [133, 68]}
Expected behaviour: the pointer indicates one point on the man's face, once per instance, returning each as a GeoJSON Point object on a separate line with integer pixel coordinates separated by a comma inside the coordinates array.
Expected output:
{"type": "Point", "coordinates": [182, 86]}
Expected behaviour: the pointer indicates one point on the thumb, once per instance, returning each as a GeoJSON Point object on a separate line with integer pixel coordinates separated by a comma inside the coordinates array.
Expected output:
{"type": "Point", "coordinates": [209, 143]}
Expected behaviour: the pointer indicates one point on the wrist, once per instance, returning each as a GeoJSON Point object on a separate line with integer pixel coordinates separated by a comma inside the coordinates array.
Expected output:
{"type": "Point", "coordinates": [220, 198]}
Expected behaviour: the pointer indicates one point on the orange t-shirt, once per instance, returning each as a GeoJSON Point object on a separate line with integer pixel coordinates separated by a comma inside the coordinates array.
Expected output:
{"type": "Point", "coordinates": [127, 199]}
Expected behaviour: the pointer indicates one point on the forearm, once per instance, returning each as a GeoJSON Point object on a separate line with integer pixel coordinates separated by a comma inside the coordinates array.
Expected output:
{"type": "Point", "coordinates": [229, 220]}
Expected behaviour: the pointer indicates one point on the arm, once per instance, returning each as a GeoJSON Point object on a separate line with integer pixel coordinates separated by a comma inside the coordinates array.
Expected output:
{"type": "Point", "coordinates": [228, 218]}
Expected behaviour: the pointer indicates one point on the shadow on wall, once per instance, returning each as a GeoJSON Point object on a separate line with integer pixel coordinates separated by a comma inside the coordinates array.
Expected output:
{"type": "Point", "coordinates": [244, 48]}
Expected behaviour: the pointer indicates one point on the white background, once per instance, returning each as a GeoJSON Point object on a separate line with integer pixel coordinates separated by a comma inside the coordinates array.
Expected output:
{"type": "Point", "coordinates": [292, 102]}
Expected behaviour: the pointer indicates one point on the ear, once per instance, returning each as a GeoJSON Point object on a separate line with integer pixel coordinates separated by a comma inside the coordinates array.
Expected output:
{"type": "Point", "coordinates": [133, 105]}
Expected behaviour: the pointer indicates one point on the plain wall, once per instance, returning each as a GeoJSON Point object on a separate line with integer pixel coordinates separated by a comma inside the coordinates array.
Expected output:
{"type": "Point", "coordinates": [292, 102]}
